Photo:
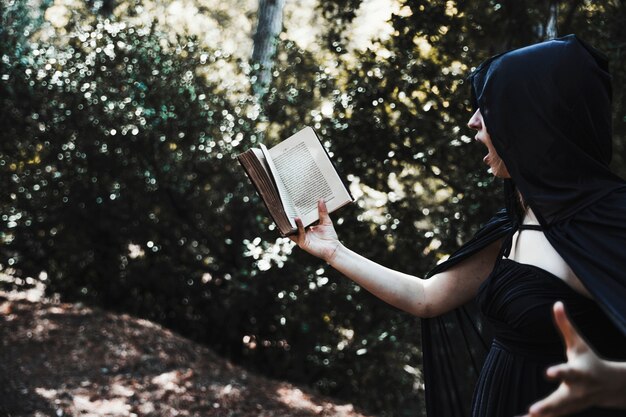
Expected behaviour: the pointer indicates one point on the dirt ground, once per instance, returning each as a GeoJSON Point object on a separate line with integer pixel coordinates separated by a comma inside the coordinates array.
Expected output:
{"type": "Point", "coordinates": [69, 360]}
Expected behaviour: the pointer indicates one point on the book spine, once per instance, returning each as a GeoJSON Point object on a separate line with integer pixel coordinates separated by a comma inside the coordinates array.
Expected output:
{"type": "Point", "coordinates": [284, 232]}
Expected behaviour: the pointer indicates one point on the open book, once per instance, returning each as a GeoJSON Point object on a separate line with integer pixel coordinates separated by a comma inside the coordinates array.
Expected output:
{"type": "Point", "coordinates": [292, 176]}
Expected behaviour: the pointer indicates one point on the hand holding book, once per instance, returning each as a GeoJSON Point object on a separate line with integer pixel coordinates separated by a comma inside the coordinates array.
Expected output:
{"type": "Point", "coordinates": [292, 177]}
{"type": "Point", "coordinates": [320, 240]}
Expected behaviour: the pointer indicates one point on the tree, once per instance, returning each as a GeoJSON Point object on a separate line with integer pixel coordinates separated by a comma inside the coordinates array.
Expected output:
{"type": "Point", "coordinates": [117, 154]}
{"type": "Point", "coordinates": [551, 29]}
{"type": "Point", "coordinates": [269, 25]}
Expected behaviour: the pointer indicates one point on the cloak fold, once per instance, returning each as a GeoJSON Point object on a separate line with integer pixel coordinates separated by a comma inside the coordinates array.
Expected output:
{"type": "Point", "coordinates": [547, 108]}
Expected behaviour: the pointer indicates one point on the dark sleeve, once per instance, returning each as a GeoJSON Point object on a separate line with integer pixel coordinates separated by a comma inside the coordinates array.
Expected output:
{"type": "Point", "coordinates": [454, 344]}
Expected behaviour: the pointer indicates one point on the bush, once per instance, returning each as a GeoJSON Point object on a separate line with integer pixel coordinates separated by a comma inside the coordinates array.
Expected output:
{"type": "Point", "coordinates": [121, 187]}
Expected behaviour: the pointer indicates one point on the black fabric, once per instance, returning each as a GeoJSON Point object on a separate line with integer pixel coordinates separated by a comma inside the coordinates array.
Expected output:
{"type": "Point", "coordinates": [517, 301]}
{"type": "Point", "coordinates": [547, 108]}
{"type": "Point", "coordinates": [455, 344]}
{"type": "Point", "coordinates": [530, 227]}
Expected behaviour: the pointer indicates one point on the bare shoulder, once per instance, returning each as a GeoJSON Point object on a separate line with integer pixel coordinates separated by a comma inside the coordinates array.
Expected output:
{"type": "Point", "coordinates": [532, 247]}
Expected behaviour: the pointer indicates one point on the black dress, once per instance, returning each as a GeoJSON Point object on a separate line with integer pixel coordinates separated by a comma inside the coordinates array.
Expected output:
{"type": "Point", "coordinates": [547, 108]}
{"type": "Point", "coordinates": [517, 300]}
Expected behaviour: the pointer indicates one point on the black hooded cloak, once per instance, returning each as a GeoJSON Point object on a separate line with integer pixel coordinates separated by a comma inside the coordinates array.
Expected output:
{"type": "Point", "coordinates": [547, 108]}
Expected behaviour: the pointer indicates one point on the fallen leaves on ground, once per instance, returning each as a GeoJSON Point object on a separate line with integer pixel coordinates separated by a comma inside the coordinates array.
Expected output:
{"type": "Point", "coordinates": [59, 359]}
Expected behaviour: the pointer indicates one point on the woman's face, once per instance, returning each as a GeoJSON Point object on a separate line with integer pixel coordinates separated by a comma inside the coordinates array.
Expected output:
{"type": "Point", "coordinates": [492, 159]}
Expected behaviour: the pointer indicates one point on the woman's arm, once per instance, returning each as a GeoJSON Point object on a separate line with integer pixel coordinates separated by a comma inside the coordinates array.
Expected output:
{"type": "Point", "coordinates": [424, 298]}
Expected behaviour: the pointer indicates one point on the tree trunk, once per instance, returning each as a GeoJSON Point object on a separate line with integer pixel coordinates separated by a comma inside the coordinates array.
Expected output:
{"type": "Point", "coordinates": [551, 29]}
{"type": "Point", "coordinates": [269, 25]}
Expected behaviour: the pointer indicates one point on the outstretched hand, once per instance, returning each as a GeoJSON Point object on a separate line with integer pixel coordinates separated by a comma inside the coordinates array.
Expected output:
{"type": "Point", "coordinates": [321, 239]}
{"type": "Point", "coordinates": [586, 379]}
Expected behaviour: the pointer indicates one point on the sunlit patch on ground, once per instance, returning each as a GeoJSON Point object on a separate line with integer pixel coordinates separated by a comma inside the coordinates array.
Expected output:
{"type": "Point", "coordinates": [59, 359]}
{"type": "Point", "coordinates": [296, 399]}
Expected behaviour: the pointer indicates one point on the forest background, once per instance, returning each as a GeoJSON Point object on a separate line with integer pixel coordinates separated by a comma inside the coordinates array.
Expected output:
{"type": "Point", "coordinates": [120, 122]}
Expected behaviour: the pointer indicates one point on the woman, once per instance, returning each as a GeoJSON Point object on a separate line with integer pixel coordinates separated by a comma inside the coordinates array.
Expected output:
{"type": "Point", "coordinates": [543, 112]}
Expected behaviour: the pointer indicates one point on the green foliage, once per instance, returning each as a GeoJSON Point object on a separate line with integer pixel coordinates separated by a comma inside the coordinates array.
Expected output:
{"type": "Point", "coordinates": [120, 186]}
{"type": "Point", "coordinates": [398, 128]}
{"type": "Point", "coordinates": [118, 161]}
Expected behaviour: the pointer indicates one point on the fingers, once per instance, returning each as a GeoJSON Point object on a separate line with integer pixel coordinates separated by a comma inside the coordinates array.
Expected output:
{"type": "Point", "coordinates": [573, 341]}
{"type": "Point", "coordinates": [562, 321]}
{"type": "Point", "coordinates": [297, 238]}
{"type": "Point", "coordinates": [300, 226]}
{"type": "Point", "coordinates": [323, 212]}
{"type": "Point", "coordinates": [576, 389]}
{"type": "Point", "coordinates": [562, 372]}
{"type": "Point", "coordinates": [556, 404]}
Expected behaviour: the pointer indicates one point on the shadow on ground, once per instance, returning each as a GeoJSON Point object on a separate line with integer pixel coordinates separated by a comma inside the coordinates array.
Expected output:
{"type": "Point", "coordinates": [70, 360]}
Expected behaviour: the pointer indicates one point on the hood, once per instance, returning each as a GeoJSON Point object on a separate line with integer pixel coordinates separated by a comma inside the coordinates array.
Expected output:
{"type": "Point", "coordinates": [547, 108]}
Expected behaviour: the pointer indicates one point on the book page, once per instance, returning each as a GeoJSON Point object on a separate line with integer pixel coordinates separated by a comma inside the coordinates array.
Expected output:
{"type": "Point", "coordinates": [285, 198]}
{"type": "Point", "coordinates": [308, 175]}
